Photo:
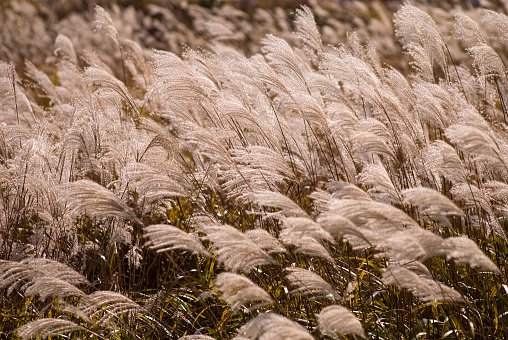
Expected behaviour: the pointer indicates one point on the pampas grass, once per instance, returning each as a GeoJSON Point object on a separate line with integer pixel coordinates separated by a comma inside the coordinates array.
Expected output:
{"type": "Point", "coordinates": [264, 185]}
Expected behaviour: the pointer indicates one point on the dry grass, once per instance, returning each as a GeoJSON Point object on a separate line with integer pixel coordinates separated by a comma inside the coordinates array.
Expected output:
{"type": "Point", "coordinates": [320, 191]}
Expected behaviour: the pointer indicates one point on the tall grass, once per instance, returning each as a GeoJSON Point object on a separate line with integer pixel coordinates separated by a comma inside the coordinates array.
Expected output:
{"type": "Point", "coordinates": [306, 191]}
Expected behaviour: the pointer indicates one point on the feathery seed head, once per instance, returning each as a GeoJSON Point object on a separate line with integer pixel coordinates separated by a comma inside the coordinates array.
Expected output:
{"type": "Point", "coordinates": [271, 326]}
{"type": "Point", "coordinates": [310, 284]}
{"type": "Point", "coordinates": [104, 23]}
{"type": "Point", "coordinates": [237, 291]}
{"type": "Point", "coordinates": [334, 320]}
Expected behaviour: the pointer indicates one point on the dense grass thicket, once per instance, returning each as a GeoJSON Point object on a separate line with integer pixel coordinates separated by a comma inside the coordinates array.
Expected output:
{"type": "Point", "coordinates": [175, 171]}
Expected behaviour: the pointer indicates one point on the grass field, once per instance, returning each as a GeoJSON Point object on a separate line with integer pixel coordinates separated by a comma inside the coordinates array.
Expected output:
{"type": "Point", "coordinates": [176, 170]}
